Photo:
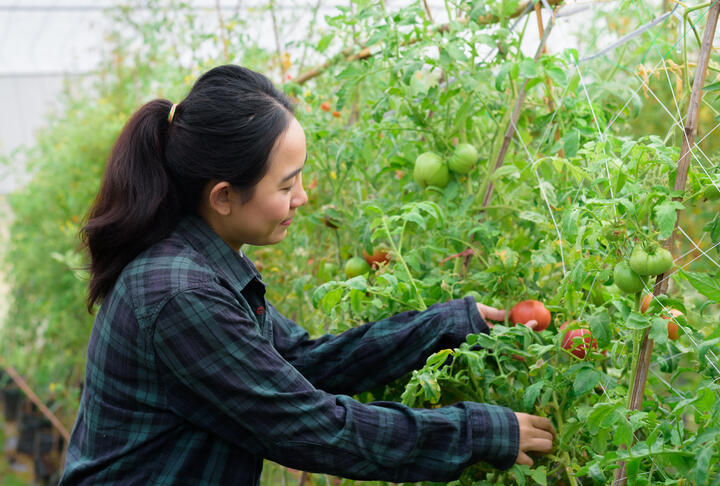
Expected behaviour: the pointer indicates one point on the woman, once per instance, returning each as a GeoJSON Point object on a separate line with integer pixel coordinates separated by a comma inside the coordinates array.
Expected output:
{"type": "Point", "coordinates": [192, 377]}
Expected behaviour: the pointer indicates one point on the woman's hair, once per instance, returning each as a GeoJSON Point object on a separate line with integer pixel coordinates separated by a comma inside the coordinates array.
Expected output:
{"type": "Point", "coordinates": [223, 130]}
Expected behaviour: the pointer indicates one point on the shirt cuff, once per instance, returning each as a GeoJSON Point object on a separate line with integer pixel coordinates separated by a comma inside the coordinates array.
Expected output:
{"type": "Point", "coordinates": [496, 435]}
{"type": "Point", "coordinates": [477, 323]}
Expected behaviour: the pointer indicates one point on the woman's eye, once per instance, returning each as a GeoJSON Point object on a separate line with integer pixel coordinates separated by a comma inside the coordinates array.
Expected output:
{"type": "Point", "coordinates": [287, 189]}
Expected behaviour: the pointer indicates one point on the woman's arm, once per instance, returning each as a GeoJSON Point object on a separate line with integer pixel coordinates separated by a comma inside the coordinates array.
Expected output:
{"type": "Point", "coordinates": [375, 353]}
{"type": "Point", "coordinates": [222, 375]}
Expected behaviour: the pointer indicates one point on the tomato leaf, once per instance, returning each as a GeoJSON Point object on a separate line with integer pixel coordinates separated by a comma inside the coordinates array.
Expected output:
{"type": "Point", "coordinates": [539, 475]}
{"type": "Point", "coordinates": [600, 328]}
{"type": "Point", "coordinates": [531, 394]}
{"type": "Point", "coordinates": [586, 380]}
{"type": "Point", "coordinates": [659, 330]}
{"type": "Point", "coordinates": [623, 432]}
{"type": "Point", "coordinates": [705, 284]}
{"type": "Point", "coordinates": [637, 321]}
{"type": "Point", "coordinates": [666, 215]}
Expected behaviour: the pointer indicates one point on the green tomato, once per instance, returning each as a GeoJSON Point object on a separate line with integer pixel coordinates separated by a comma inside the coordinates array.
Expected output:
{"type": "Point", "coordinates": [430, 170]}
{"type": "Point", "coordinates": [653, 261]}
{"type": "Point", "coordinates": [356, 266]}
{"type": "Point", "coordinates": [464, 158]}
{"type": "Point", "coordinates": [626, 279]}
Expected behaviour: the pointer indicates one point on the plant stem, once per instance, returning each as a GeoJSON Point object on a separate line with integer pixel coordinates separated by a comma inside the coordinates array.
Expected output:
{"type": "Point", "coordinates": [395, 250]}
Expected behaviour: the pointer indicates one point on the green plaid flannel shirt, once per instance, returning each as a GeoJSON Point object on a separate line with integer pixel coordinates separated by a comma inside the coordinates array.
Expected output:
{"type": "Point", "coordinates": [193, 378]}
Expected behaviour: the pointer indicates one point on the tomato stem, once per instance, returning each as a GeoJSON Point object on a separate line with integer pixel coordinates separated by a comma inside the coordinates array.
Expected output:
{"type": "Point", "coordinates": [396, 251]}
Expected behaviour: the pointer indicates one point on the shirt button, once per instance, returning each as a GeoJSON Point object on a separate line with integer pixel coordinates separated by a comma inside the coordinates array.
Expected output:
{"type": "Point", "coordinates": [260, 310]}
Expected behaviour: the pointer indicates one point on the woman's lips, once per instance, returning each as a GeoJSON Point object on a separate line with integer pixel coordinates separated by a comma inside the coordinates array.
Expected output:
{"type": "Point", "coordinates": [286, 222]}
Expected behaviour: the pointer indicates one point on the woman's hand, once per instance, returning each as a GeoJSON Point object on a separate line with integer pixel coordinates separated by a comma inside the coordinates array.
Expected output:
{"type": "Point", "coordinates": [488, 312]}
{"type": "Point", "coordinates": [536, 435]}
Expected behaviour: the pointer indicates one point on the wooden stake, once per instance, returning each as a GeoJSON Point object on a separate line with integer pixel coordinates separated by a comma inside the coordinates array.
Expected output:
{"type": "Point", "coordinates": [35, 399]}
{"type": "Point", "coordinates": [690, 133]}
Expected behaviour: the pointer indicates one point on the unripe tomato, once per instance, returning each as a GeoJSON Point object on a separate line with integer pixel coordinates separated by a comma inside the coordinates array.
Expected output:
{"type": "Point", "coordinates": [651, 261]}
{"type": "Point", "coordinates": [463, 159]}
{"type": "Point", "coordinates": [430, 170]}
{"type": "Point", "coordinates": [378, 258]}
{"type": "Point", "coordinates": [672, 326]}
{"type": "Point", "coordinates": [529, 310]}
{"type": "Point", "coordinates": [626, 279]}
{"type": "Point", "coordinates": [577, 341]}
{"type": "Point", "coordinates": [356, 266]}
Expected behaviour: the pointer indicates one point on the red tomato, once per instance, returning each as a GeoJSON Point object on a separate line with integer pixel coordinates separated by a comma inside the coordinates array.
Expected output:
{"type": "Point", "coordinates": [579, 346]}
{"type": "Point", "coordinates": [325, 106]}
{"type": "Point", "coordinates": [529, 310]}
{"type": "Point", "coordinates": [672, 326]}
{"type": "Point", "coordinates": [336, 114]}
{"type": "Point", "coordinates": [379, 257]}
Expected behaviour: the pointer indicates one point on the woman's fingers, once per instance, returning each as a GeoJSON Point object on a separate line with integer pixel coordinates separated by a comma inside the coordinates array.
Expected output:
{"type": "Point", "coordinates": [538, 445]}
{"type": "Point", "coordinates": [544, 424]}
{"type": "Point", "coordinates": [523, 459]}
{"type": "Point", "coordinates": [491, 312]}
{"type": "Point", "coordinates": [531, 324]}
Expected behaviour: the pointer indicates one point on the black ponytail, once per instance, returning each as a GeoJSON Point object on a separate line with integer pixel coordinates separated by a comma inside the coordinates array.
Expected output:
{"type": "Point", "coordinates": [223, 130]}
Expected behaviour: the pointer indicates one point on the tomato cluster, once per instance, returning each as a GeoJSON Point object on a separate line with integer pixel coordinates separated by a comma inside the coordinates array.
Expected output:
{"type": "Point", "coordinates": [431, 170]}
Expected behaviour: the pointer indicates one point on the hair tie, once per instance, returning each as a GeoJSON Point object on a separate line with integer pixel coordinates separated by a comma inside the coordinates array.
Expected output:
{"type": "Point", "coordinates": [172, 113]}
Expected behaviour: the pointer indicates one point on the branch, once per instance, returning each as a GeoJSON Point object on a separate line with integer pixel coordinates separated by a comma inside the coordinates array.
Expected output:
{"type": "Point", "coordinates": [35, 399]}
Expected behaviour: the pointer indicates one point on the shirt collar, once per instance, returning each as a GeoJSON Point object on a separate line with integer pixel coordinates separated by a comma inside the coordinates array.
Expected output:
{"type": "Point", "coordinates": [205, 241]}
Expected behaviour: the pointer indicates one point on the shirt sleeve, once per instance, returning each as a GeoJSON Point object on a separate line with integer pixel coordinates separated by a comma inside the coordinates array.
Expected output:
{"type": "Point", "coordinates": [375, 353]}
{"type": "Point", "coordinates": [222, 375]}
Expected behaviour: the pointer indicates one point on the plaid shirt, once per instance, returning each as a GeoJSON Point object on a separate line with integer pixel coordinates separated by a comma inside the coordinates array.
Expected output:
{"type": "Point", "coordinates": [193, 378]}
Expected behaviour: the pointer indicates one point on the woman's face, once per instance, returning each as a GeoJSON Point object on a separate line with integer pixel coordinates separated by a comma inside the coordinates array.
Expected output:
{"type": "Point", "coordinates": [264, 219]}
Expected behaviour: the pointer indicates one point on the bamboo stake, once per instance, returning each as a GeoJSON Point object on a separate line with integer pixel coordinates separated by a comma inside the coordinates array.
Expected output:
{"type": "Point", "coordinates": [347, 53]}
{"type": "Point", "coordinates": [35, 399]}
{"type": "Point", "coordinates": [690, 132]}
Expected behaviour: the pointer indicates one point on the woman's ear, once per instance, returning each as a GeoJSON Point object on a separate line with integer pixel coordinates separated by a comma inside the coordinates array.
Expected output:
{"type": "Point", "coordinates": [219, 197]}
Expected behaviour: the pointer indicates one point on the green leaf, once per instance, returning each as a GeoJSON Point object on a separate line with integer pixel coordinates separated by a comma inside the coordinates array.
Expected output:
{"type": "Point", "coordinates": [596, 472]}
{"type": "Point", "coordinates": [532, 216]}
{"type": "Point", "coordinates": [704, 283]}
{"type": "Point", "coordinates": [600, 328]}
{"type": "Point", "coordinates": [659, 330]}
{"type": "Point", "coordinates": [599, 413]}
{"type": "Point", "coordinates": [637, 321]}
{"type": "Point", "coordinates": [586, 380]}
{"type": "Point", "coordinates": [331, 299]}
{"type": "Point", "coordinates": [430, 387]}
{"type": "Point", "coordinates": [666, 216]}
{"type": "Point", "coordinates": [539, 475]}
{"type": "Point", "coordinates": [531, 394]}
{"type": "Point", "coordinates": [623, 433]}
{"type": "Point", "coordinates": [324, 42]}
